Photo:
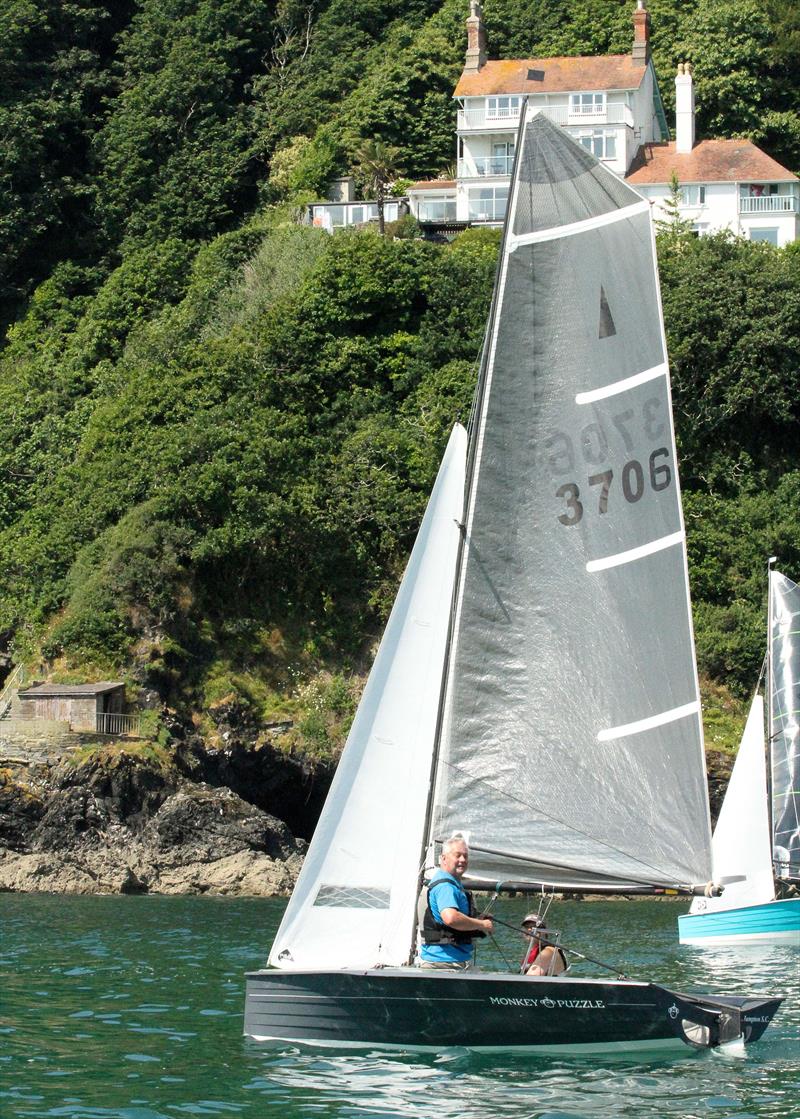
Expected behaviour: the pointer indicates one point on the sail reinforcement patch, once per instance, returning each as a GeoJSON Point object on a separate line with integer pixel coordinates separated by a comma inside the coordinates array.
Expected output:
{"type": "Point", "coordinates": [352, 897]}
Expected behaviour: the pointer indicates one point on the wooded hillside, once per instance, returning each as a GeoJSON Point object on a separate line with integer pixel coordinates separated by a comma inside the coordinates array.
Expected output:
{"type": "Point", "coordinates": [221, 427]}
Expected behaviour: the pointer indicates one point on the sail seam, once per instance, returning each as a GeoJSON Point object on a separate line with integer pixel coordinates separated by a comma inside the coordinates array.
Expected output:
{"type": "Point", "coordinates": [650, 723]}
{"type": "Point", "coordinates": [575, 227]}
{"type": "Point", "coordinates": [633, 554]}
{"type": "Point", "coordinates": [623, 385]}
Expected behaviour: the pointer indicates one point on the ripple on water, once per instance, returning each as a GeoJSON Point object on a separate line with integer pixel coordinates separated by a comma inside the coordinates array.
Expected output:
{"type": "Point", "coordinates": [153, 989]}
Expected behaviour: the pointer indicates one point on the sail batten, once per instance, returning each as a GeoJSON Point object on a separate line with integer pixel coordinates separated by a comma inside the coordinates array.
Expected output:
{"type": "Point", "coordinates": [659, 720]}
{"type": "Point", "coordinates": [622, 386]}
{"type": "Point", "coordinates": [559, 628]}
{"type": "Point", "coordinates": [570, 230]}
{"type": "Point", "coordinates": [633, 554]}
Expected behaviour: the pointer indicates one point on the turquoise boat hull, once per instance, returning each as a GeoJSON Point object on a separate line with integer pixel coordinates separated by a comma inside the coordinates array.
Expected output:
{"type": "Point", "coordinates": [774, 920]}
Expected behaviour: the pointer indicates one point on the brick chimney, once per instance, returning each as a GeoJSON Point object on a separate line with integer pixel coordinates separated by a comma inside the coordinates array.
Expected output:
{"type": "Point", "coordinates": [476, 39]}
{"type": "Point", "coordinates": [641, 34]}
{"type": "Point", "coordinates": [684, 108]}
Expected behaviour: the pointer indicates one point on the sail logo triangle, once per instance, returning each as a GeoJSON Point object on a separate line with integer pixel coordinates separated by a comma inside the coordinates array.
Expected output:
{"type": "Point", "coordinates": [607, 327]}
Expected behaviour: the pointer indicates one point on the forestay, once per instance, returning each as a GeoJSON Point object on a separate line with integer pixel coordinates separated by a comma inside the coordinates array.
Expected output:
{"type": "Point", "coordinates": [354, 904]}
{"type": "Point", "coordinates": [784, 664]}
{"type": "Point", "coordinates": [571, 746]}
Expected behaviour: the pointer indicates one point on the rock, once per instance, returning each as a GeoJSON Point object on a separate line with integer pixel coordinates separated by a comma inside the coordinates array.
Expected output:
{"type": "Point", "coordinates": [99, 817]}
{"type": "Point", "coordinates": [70, 812]}
{"type": "Point", "coordinates": [200, 840]}
{"type": "Point", "coordinates": [125, 786]}
{"type": "Point", "coordinates": [210, 823]}
{"type": "Point", "coordinates": [21, 808]}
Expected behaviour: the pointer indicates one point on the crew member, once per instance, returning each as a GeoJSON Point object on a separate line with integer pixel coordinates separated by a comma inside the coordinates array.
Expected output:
{"type": "Point", "coordinates": [541, 958]}
{"type": "Point", "coordinates": [449, 925]}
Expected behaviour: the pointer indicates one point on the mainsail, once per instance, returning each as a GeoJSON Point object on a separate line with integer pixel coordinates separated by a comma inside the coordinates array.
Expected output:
{"type": "Point", "coordinates": [784, 671]}
{"type": "Point", "coordinates": [354, 904]}
{"type": "Point", "coordinates": [571, 743]}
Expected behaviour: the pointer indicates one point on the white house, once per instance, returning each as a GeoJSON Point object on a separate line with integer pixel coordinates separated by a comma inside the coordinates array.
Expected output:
{"type": "Point", "coordinates": [724, 184]}
{"type": "Point", "coordinates": [612, 106]}
{"type": "Point", "coordinates": [342, 208]}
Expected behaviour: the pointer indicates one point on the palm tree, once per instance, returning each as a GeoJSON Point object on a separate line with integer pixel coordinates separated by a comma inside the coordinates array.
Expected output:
{"type": "Point", "coordinates": [376, 163]}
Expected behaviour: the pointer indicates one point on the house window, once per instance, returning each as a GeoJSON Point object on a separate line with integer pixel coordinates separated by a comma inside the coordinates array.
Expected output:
{"type": "Point", "coordinates": [601, 144]}
{"type": "Point", "coordinates": [693, 195]}
{"type": "Point", "coordinates": [587, 104]}
{"type": "Point", "coordinates": [488, 203]}
{"type": "Point", "coordinates": [502, 158]}
{"type": "Point", "coordinates": [500, 108]}
{"type": "Point", "coordinates": [434, 207]}
{"type": "Point", "coordinates": [768, 235]}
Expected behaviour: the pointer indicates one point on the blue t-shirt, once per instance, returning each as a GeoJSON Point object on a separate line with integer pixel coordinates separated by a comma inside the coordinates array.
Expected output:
{"type": "Point", "coordinates": [450, 895]}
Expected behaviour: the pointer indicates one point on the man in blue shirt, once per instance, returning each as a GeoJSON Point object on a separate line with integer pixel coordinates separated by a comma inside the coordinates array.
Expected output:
{"type": "Point", "coordinates": [449, 925]}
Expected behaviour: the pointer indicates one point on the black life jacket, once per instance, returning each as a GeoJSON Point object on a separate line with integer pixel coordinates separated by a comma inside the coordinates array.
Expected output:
{"type": "Point", "coordinates": [436, 932]}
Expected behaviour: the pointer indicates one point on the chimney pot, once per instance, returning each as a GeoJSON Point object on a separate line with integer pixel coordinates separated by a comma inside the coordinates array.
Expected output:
{"type": "Point", "coordinates": [641, 34]}
{"type": "Point", "coordinates": [476, 39]}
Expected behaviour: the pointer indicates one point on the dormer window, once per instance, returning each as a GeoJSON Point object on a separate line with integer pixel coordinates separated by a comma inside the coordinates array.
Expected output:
{"type": "Point", "coordinates": [501, 108]}
{"type": "Point", "coordinates": [587, 104]}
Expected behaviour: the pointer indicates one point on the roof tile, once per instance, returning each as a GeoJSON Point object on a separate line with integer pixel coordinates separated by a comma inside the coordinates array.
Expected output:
{"type": "Point", "coordinates": [709, 161]}
{"type": "Point", "coordinates": [561, 75]}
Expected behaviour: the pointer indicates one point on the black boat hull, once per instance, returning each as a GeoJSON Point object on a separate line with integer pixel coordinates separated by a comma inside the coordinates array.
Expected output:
{"type": "Point", "coordinates": [416, 1009]}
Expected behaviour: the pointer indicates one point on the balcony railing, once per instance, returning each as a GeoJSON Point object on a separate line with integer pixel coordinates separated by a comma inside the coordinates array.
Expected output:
{"type": "Point", "coordinates": [437, 210]}
{"type": "Point", "coordinates": [109, 722]}
{"type": "Point", "coordinates": [769, 204]}
{"type": "Point", "coordinates": [488, 211]}
{"type": "Point", "coordinates": [478, 166]}
{"type": "Point", "coordinates": [507, 120]}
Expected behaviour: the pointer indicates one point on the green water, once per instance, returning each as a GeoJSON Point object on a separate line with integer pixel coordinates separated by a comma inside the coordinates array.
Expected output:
{"type": "Point", "coordinates": [132, 1008]}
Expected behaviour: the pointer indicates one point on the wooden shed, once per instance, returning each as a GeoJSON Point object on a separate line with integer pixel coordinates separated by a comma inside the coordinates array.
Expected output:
{"type": "Point", "coordinates": [81, 705]}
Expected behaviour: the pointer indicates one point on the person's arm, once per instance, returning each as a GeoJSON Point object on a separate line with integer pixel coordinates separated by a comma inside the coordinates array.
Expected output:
{"type": "Point", "coordinates": [455, 919]}
{"type": "Point", "coordinates": [545, 965]}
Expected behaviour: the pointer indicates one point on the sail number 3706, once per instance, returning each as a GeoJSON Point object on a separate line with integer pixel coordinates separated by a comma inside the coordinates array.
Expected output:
{"type": "Point", "coordinates": [633, 478]}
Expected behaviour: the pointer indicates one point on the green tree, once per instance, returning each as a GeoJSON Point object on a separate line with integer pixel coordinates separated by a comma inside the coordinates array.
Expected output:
{"type": "Point", "coordinates": [673, 226]}
{"type": "Point", "coordinates": [54, 66]}
{"type": "Point", "coordinates": [376, 165]}
{"type": "Point", "coordinates": [174, 154]}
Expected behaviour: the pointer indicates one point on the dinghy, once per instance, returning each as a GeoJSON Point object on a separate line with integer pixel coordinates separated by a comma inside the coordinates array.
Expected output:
{"type": "Point", "coordinates": [757, 836]}
{"type": "Point", "coordinates": [535, 687]}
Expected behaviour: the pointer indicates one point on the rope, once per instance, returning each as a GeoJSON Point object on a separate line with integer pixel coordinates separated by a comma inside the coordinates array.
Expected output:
{"type": "Point", "coordinates": [564, 947]}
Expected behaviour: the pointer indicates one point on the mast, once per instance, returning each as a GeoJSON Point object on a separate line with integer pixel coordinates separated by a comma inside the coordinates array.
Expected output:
{"type": "Point", "coordinates": [427, 836]}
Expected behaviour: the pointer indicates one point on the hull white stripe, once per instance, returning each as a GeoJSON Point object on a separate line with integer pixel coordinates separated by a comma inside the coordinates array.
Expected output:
{"type": "Point", "coordinates": [585, 226]}
{"type": "Point", "coordinates": [621, 1047]}
{"type": "Point", "coordinates": [622, 386]}
{"type": "Point", "coordinates": [635, 553]}
{"type": "Point", "coordinates": [648, 724]}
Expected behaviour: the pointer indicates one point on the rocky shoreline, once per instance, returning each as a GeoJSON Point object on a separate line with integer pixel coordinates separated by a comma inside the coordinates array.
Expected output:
{"type": "Point", "coordinates": [97, 817]}
{"type": "Point", "coordinates": [88, 816]}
